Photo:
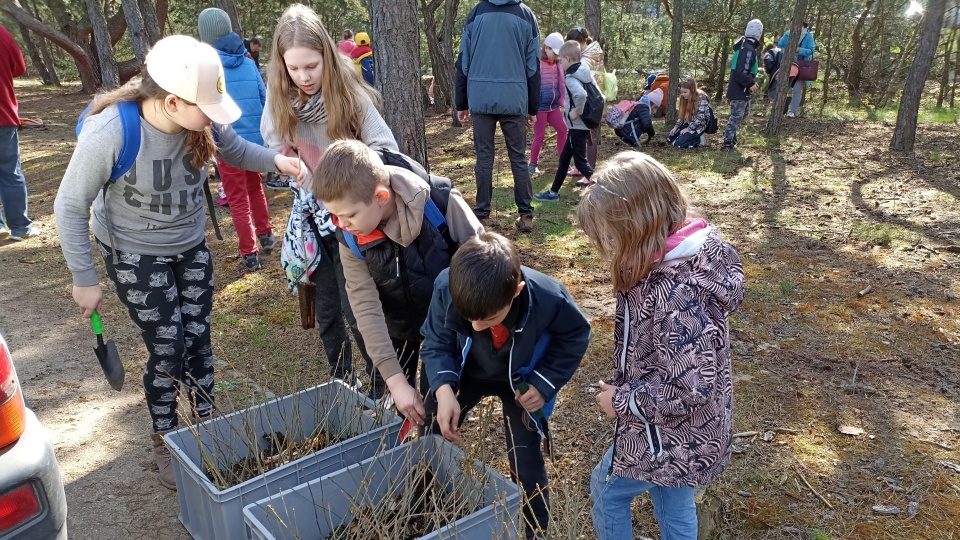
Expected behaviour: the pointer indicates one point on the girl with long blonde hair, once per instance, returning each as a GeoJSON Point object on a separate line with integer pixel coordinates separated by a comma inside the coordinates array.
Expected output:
{"type": "Point", "coordinates": [693, 117]}
{"type": "Point", "coordinates": [671, 391]}
{"type": "Point", "coordinates": [315, 96]}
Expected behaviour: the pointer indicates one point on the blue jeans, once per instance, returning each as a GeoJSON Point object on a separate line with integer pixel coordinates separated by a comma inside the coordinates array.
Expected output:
{"type": "Point", "coordinates": [673, 507]}
{"type": "Point", "coordinates": [13, 186]}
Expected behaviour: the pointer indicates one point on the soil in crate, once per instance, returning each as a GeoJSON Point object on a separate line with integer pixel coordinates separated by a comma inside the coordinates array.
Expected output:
{"type": "Point", "coordinates": [420, 507]}
{"type": "Point", "coordinates": [280, 451]}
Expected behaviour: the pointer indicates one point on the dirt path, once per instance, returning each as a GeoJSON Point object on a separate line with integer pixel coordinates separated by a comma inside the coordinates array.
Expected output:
{"type": "Point", "coordinates": [101, 436]}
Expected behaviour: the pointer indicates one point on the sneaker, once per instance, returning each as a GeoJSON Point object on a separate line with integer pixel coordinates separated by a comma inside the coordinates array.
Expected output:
{"type": "Point", "coordinates": [481, 215]}
{"type": "Point", "coordinates": [703, 140]}
{"type": "Point", "coordinates": [524, 224]}
{"type": "Point", "coordinates": [279, 182]}
{"type": "Point", "coordinates": [583, 182]}
{"type": "Point", "coordinates": [572, 171]}
{"type": "Point", "coordinates": [791, 115]}
{"type": "Point", "coordinates": [4, 233]}
{"type": "Point", "coordinates": [251, 262]}
{"type": "Point", "coordinates": [547, 195]}
{"type": "Point", "coordinates": [534, 171]}
{"type": "Point", "coordinates": [267, 242]}
{"type": "Point", "coordinates": [31, 233]}
{"type": "Point", "coordinates": [727, 146]}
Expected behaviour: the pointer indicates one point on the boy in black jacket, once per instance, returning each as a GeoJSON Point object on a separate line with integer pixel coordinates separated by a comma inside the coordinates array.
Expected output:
{"type": "Point", "coordinates": [493, 329]}
{"type": "Point", "coordinates": [743, 80]}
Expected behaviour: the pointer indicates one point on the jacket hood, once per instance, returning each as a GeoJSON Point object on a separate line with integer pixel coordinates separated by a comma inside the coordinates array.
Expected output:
{"type": "Point", "coordinates": [737, 45]}
{"type": "Point", "coordinates": [411, 193]}
{"type": "Point", "coordinates": [582, 73]}
{"type": "Point", "coordinates": [231, 50]}
{"type": "Point", "coordinates": [697, 251]}
{"type": "Point", "coordinates": [504, 2]}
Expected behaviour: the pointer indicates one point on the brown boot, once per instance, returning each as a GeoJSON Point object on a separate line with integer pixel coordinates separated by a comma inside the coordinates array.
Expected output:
{"type": "Point", "coordinates": [161, 454]}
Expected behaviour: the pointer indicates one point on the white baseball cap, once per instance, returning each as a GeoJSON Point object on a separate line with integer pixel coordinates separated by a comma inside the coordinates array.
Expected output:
{"type": "Point", "coordinates": [192, 71]}
{"type": "Point", "coordinates": [553, 42]}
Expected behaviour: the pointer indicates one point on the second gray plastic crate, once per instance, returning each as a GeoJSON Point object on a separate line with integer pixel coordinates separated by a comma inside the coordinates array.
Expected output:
{"type": "Point", "coordinates": [315, 510]}
{"type": "Point", "coordinates": [210, 513]}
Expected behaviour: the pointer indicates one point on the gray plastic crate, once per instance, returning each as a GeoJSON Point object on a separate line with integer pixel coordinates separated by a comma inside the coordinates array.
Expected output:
{"type": "Point", "coordinates": [314, 510]}
{"type": "Point", "coordinates": [209, 513]}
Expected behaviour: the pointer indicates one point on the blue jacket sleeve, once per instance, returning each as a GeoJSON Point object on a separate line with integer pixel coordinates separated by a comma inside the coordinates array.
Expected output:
{"type": "Point", "coordinates": [807, 47]}
{"type": "Point", "coordinates": [569, 337]}
{"type": "Point", "coordinates": [783, 40]}
{"type": "Point", "coordinates": [440, 352]}
{"type": "Point", "coordinates": [533, 71]}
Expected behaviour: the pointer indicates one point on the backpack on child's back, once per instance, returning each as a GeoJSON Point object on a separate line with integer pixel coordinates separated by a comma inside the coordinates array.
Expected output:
{"type": "Point", "coordinates": [593, 108]}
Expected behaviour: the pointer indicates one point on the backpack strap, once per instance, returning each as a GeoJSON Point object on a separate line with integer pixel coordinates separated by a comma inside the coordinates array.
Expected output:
{"type": "Point", "coordinates": [433, 215]}
{"type": "Point", "coordinates": [351, 242]}
{"type": "Point", "coordinates": [130, 124]}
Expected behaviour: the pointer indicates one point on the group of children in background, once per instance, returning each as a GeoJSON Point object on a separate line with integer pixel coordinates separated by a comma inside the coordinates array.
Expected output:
{"type": "Point", "coordinates": [398, 256]}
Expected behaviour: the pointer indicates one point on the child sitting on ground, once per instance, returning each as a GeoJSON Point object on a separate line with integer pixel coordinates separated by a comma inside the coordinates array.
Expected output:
{"type": "Point", "coordinates": [671, 393]}
{"type": "Point", "coordinates": [397, 229]}
{"type": "Point", "coordinates": [578, 135]}
{"type": "Point", "coordinates": [494, 324]}
{"type": "Point", "coordinates": [692, 120]}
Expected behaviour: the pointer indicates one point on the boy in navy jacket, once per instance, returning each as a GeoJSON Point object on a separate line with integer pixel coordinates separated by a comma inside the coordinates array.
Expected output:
{"type": "Point", "coordinates": [491, 323]}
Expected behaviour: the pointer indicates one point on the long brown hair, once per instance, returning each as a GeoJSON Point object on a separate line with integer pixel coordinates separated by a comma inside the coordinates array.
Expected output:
{"type": "Point", "coordinates": [342, 87]}
{"type": "Point", "coordinates": [628, 214]}
{"type": "Point", "coordinates": [199, 143]}
{"type": "Point", "coordinates": [689, 106]}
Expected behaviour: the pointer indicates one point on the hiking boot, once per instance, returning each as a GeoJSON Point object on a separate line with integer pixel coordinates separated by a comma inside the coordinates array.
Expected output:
{"type": "Point", "coordinates": [161, 455]}
{"type": "Point", "coordinates": [267, 242]}
{"type": "Point", "coordinates": [524, 224]}
{"type": "Point", "coordinates": [547, 195]}
{"type": "Point", "coordinates": [251, 262]}
{"type": "Point", "coordinates": [279, 182]}
{"type": "Point", "coordinates": [31, 233]}
{"type": "Point", "coordinates": [4, 233]}
{"type": "Point", "coordinates": [534, 171]}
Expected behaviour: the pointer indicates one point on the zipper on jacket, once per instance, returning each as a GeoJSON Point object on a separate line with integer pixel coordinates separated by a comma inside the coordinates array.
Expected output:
{"type": "Point", "coordinates": [404, 282]}
{"type": "Point", "coordinates": [396, 254]}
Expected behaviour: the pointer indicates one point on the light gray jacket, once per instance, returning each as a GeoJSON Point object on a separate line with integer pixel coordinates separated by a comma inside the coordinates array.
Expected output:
{"type": "Point", "coordinates": [577, 76]}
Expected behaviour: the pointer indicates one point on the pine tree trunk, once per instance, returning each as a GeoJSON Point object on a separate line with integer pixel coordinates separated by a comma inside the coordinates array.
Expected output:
{"type": "Point", "coordinates": [395, 32]}
{"type": "Point", "coordinates": [136, 30]}
{"type": "Point", "coordinates": [904, 135]}
{"type": "Point", "coordinates": [34, 53]}
{"type": "Point", "coordinates": [230, 6]}
{"type": "Point", "coordinates": [440, 47]}
{"type": "Point", "coordinates": [775, 120]}
{"type": "Point", "coordinates": [724, 68]}
{"type": "Point", "coordinates": [592, 18]}
{"type": "Point", "coordinates": [855, 73]}
{"type": "Point", "coordinates": [109, 74]}
{"type": "Point", "coordinates": [48, 61]}
{"type": "Point", "coordinates": [676, 36]}
{"type": "Point", "coordinates": [151, 24]}
{"type": "Point", "coordinates": [947, 66]}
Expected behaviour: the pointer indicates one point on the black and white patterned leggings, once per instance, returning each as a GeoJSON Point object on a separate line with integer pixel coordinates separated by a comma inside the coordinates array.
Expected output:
{"type": "Point", "coordinates": [170, 300]}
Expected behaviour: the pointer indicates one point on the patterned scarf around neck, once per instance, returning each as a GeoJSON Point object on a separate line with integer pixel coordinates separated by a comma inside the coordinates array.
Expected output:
{"type": "Point", "coordinates": [311, 111]}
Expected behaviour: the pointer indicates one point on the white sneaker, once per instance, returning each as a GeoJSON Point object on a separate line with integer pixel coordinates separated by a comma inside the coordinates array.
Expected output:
{"type": "Point", "coordinates": [791, 115]}
{"type": "Point", "coordinates": [4, 233]}
{"type": "Point", "coordinates": [31, 232]}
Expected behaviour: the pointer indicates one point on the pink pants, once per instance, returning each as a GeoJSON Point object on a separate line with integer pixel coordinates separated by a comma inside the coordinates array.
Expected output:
{"type": "Point", "coordinates": [555, 119]}
{"type": "Point", "coordinates": [248, 205]}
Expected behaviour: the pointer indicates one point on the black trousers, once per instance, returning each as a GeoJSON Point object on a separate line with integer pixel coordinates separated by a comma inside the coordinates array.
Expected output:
{"type": "Point", "coordinates": [527, 466]}
{"type": "Point", "coordinates": [575, 149]}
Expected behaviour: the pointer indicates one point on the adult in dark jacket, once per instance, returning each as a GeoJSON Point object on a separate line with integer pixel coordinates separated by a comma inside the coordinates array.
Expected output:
{"type": "Point", "coordinates": [14, 222]}
{"type": "Point", "coordinates": [772, 55]}
{"type": "Point", "coordinates": [244, 189]}
{"type": "Point", "coordinates": [743, 80]}
{"type": "Point", "coordinates": [498, 81]}
{"type": "Point", "coordinates": [493, 323]}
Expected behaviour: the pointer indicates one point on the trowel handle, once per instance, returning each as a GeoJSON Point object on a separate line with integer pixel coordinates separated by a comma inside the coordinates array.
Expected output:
{"type": "Point", "coordinates": [96, 323]}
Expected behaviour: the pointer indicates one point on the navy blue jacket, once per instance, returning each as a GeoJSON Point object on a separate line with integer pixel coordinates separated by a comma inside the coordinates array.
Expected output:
{"type": "Point", "coordinates": [549, 341]}
{"type": "Point", "coordinates": [244, 85]}
{"type": "Point", "coordinates": [498, 68]}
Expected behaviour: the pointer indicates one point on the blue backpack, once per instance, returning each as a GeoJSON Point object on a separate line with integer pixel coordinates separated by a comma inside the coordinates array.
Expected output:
{"type": "Point", "coordinates": [130, 148]}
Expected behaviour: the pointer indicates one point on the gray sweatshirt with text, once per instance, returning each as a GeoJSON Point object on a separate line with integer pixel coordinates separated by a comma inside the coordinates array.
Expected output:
{"type": "Point", "coordinates": [157, 208]}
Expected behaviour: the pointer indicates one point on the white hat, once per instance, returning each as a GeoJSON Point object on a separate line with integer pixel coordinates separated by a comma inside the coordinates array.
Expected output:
{"type": "Point", "coordinates": [553, 42]}
{"type": "Point", "coordinates": [754, 29]}
{"type": "Point", "coordinates": [192, 71]}
{"type": "Point", "coordinates": [656, 97]}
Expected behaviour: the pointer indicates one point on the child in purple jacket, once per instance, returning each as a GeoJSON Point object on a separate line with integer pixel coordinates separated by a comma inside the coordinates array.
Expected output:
{"type": "Point", "coordinates": [671, 394]}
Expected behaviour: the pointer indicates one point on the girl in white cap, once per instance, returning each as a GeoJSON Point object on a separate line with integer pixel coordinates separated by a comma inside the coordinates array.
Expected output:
{"type": "Point", "coordinates": [552, 97]}
{"type": "Point", "coordinates": [315, 96]}
{"type": "Point", "coordinates": [150, 223]}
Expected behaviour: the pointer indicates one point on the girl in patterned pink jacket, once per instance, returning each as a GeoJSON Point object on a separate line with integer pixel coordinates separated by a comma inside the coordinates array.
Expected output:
{"type": "Point", "coordinates": [672, 393]}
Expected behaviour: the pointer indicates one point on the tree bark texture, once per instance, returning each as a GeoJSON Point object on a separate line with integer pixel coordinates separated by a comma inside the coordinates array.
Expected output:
{"type": "Point", "coordinates": [855, 74]}
{"type": "Point", "coordinates": [34, 53]}
{"type": "Point", "coordinates": [592, 19]}
{"type": "Point", "coordinates": [48, 61]}
{"type": "Point", "coordinates": [775, 120]}
{"type": "Point", "coordinates": [724, 69]}
{"type": "Point", "coordinates": [230, 6]}
{"type": "Point", "coordinates": [151, 22]}
{"type": "Point", "coordinates": [440, 48]}
{"type": "Point", "coordinates": [395, 27]}
{"type": "Point", "coordinates": [88, 76]}
{"type": "Point", "coordinates": [136, 30]}
{"type": "Point", "coordinates": [675, 43]}
{"type": "Point", "coordinates": [905, 134]}
{"type": "Point", "coordinates": [109, 75]}
{"type": "Point", "coordinates": [947, 67]}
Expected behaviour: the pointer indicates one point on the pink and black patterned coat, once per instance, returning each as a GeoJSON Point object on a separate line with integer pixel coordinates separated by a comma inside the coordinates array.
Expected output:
{"type": "Point", "coordinates": [674, 397]}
